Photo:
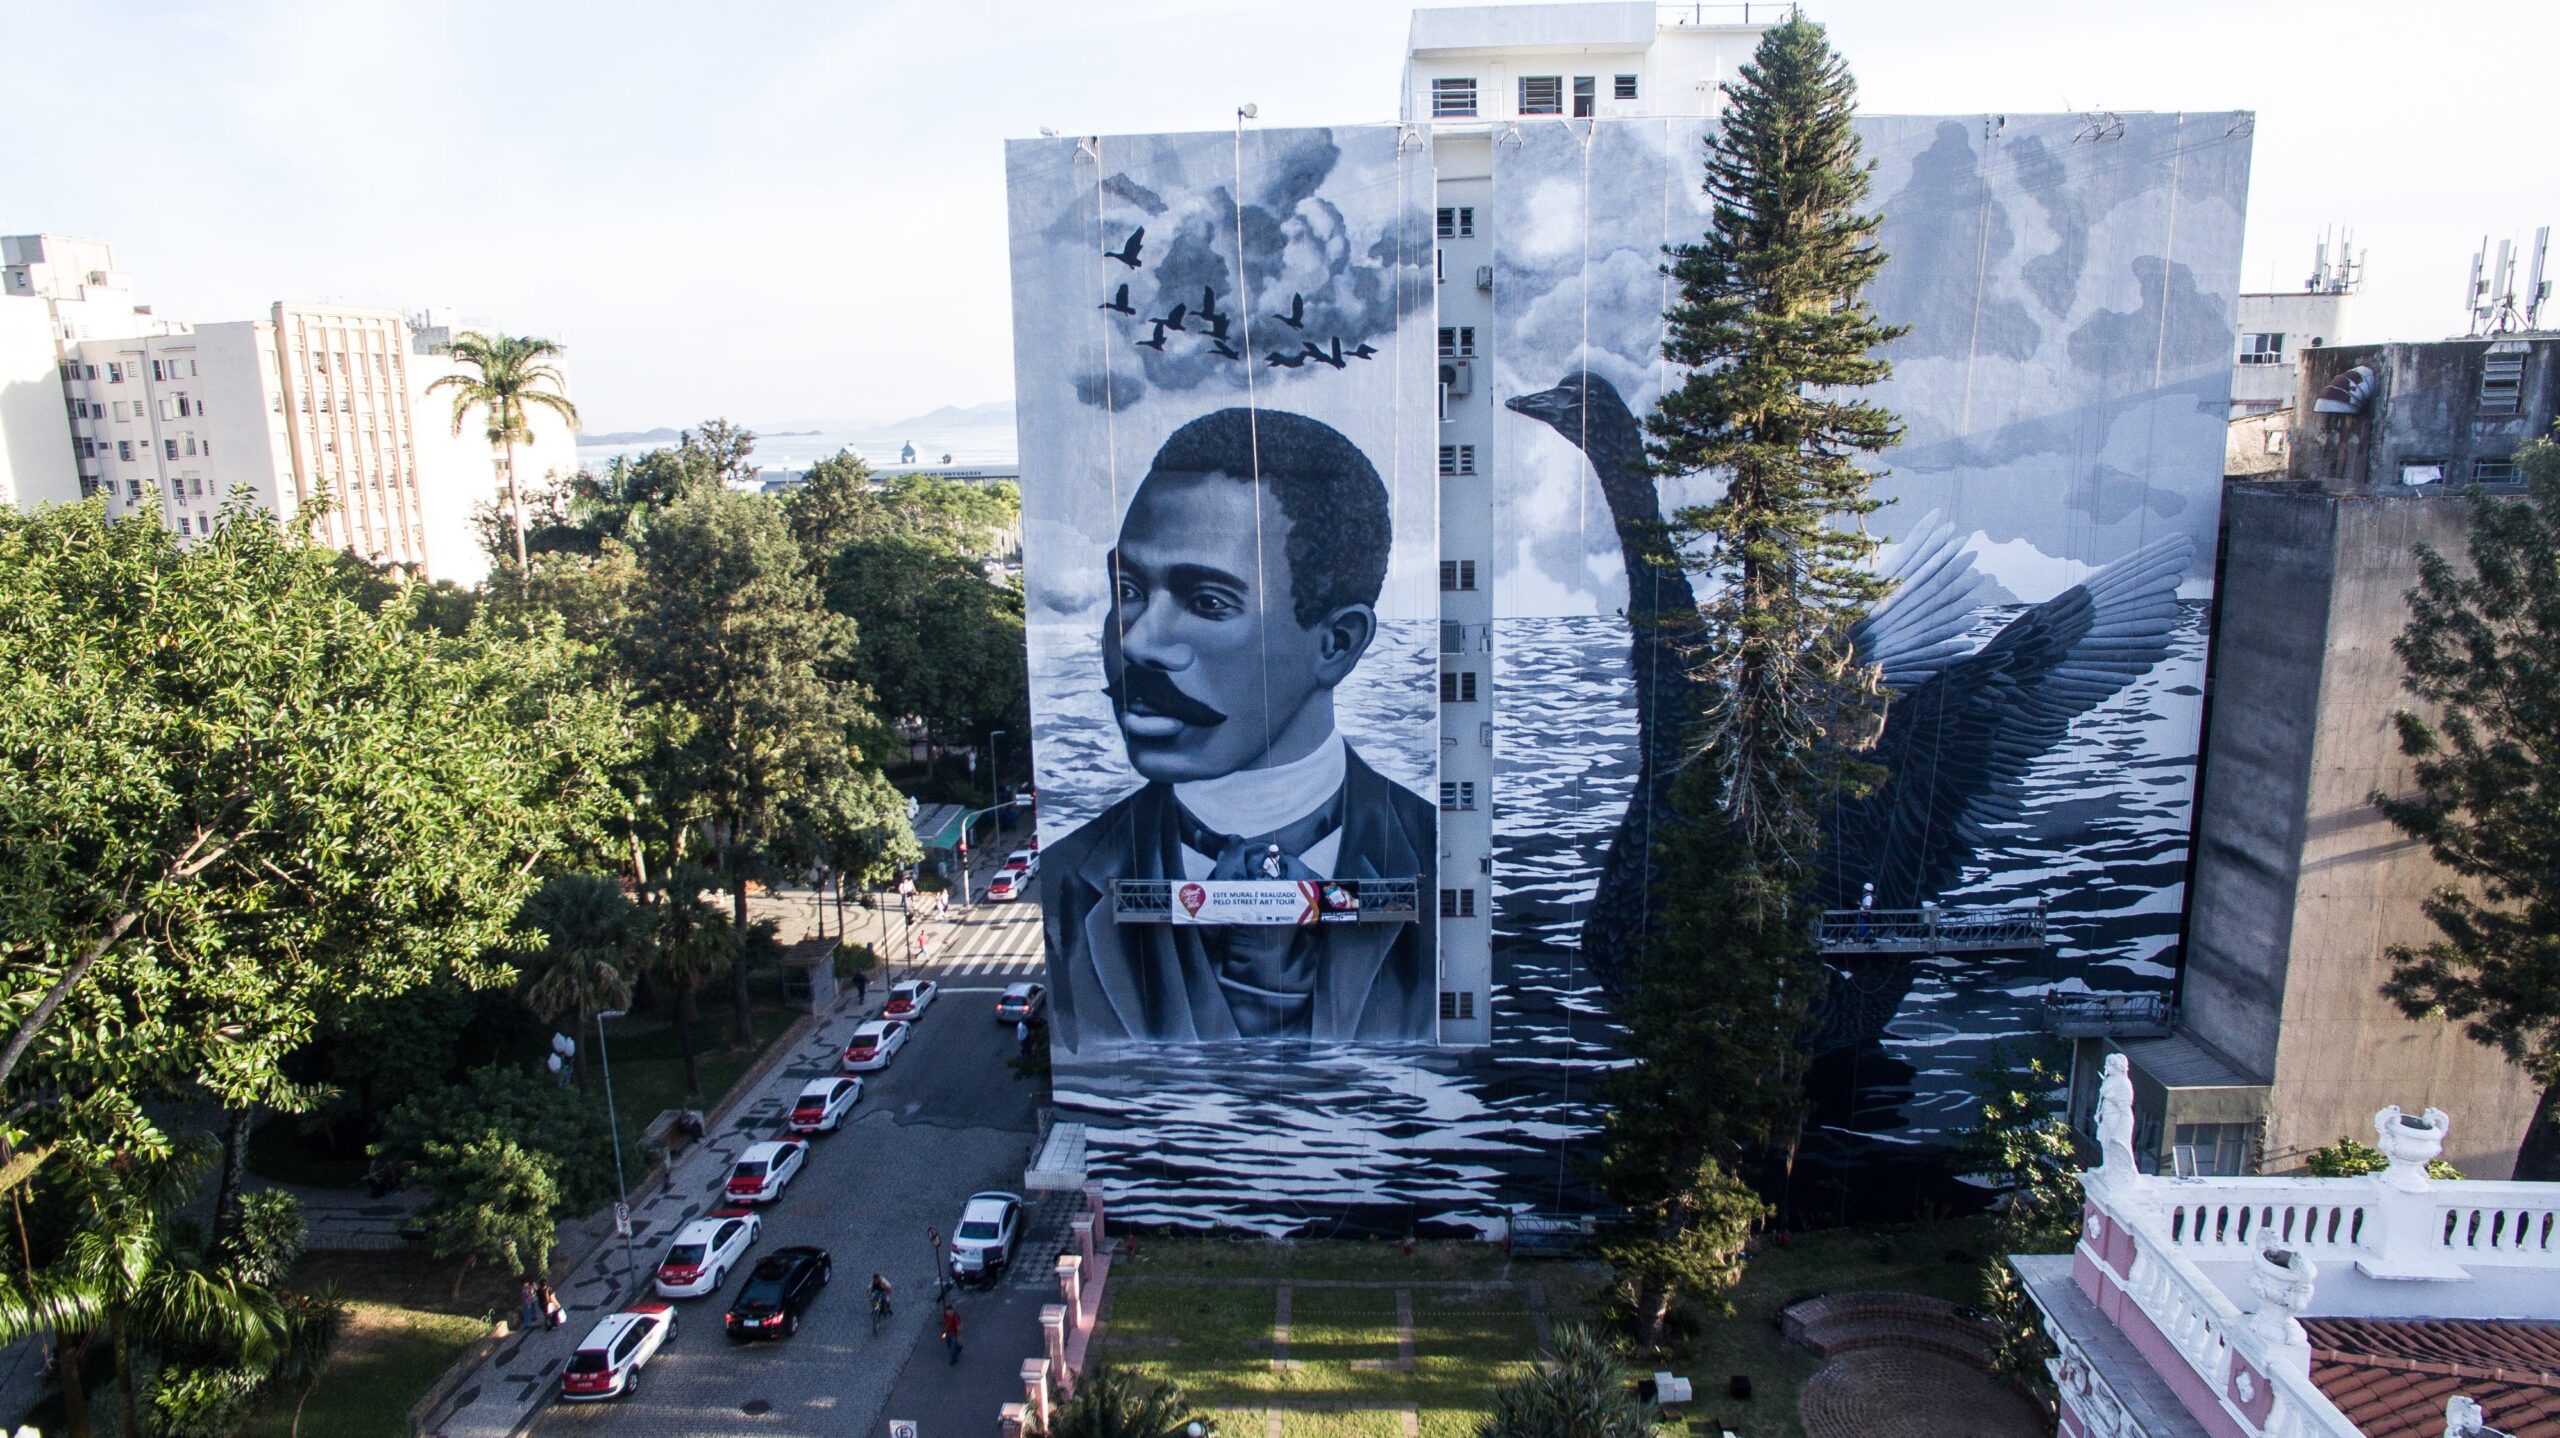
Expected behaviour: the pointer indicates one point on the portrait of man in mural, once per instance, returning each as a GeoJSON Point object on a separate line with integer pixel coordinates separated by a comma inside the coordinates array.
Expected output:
{"type": "Point", "coordinates": [1245, 585]}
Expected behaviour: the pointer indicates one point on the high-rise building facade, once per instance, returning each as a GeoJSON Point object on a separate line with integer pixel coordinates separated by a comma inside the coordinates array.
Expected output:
{"type": "Point", "coordinates": [314, 407]}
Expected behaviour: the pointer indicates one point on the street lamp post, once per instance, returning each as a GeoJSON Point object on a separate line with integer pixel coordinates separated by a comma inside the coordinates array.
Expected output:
{"type": "Point", "coordinates": [995, 766]}
{"type": "Point", "coordinates": [613, 1121]}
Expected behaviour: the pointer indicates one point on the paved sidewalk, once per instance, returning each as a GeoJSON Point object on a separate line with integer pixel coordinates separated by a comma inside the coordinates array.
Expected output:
{"type": "Point", "coordinates": [519, 1377]}
{"type": "Point", "coordinates": [999, 1329]}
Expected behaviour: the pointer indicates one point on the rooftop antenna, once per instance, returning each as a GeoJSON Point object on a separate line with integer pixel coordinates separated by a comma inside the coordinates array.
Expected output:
{"type": "Point", "coordinates": [2536, 288]}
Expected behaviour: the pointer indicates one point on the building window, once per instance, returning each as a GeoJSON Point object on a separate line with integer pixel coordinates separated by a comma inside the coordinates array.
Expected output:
{"type": "Point", "coordinates": [1457, 459]}
{"type": "Point", "coordinates": [172, 446]}
{"type": "Point", "coordinates": [1457, 686]}
{"type": "Point", "coordinates": [1542, 94]}
{"type": "Point", "coordinates": [2277, 440]}
{"type": "Point", "coordinates": [115, 372]}
{"type": "Point", "coordinates": [1457, 1006]}
{"type": "Point", "coordinates": [2415, 472]}
{"type": "Point", "coordinates": [1453, 638]}
{"type": "Point", "coordinates": [184, 527]}
{"type": "Point", "coordinates": [1457, 222]}
{"type": "Point", "coordinates": [1624, 88]}
{"type": "Point", "coordinates": [1457, 574]}
{"type": "Point", "coordinates": [1452, 99]}
{"type": "Point", "coordinates": [124, 450]}
{"type": "Point", "coordinates": [1457, 903]}
{"type": "Point", "coordinates": [2502, 382]}
{"type": "Point", "coordinates": [2493, 471]}
{"type": "Point", "coordinates": [1457, 341]}
{"type": "Point", "coordinates": [2210, 1150]}
{"type": "Point", "coordinates": [1586, 95]}
{"type": "Point", "coordinates": [2263, 347]}
{"type": "Point", "coordinates": [1457, 794]}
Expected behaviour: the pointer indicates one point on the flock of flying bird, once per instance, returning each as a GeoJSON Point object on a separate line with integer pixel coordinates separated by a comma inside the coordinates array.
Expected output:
{"type": "Point", "coordinates": [1214, 324]}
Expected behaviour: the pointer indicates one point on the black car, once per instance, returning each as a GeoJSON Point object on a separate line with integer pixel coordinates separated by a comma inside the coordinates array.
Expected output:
{"type": "Point", "coordinates": [785, 1282]}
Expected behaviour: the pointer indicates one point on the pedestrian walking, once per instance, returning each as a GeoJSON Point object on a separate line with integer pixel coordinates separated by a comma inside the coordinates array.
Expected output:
{"type": "Point", "coordinates": [1866, 909]}
{"type": "Point", "coordinates": [1022, 1034]}
{"type": "Point", "coordinates": [553, 1308]}
{"type": "Point", "coordinates": [951, 1332]}
{"type": "Point", "coordinates": [861, 986]}
{"type": "Point", "coordinates": [528, 1307]}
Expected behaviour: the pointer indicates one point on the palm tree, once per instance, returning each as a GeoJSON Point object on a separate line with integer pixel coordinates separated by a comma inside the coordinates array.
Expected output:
{"type": "Point", "coordinates": [1584, 1391]}
{"type": "Point", "coordinates": [143, 1277]}
{"type": "Point", "coordinates": [586, 928]}
{"type": "Point", "coordinates": [511, 372]}
{"type": "Point", "coordinates": [690, 944]}
{"type": "Point", "coordinates": [1112, 1403]}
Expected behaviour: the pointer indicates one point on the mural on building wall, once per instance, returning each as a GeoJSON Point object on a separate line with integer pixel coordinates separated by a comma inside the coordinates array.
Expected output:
{"type": "Point", "coordinates": [2069, 286]}
{"type": "Point", "coordinates": [1225, 370]}
{"type": "Point", "coordinates": [2068, 283]}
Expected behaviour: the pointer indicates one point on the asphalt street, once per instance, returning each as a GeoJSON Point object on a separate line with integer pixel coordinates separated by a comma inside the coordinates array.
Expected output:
{"type": "Point", "coordinates": [947, 1118]}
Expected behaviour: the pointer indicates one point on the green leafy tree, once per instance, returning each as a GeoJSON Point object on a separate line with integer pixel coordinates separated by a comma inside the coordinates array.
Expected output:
{"type": "Point", "coordinates": [1771, 324]}
{"type": "Point", "coordinates": [232, 802]}
{"type": "Point", "coordinates": [727, 629]}
{"type": "Point", "coordinates": [564, 1128]}
{"type": "Point", "coordinates": [588, 933]}
{"type": "Point", "coordinates": [729, 448]}
{"type": "Point", "coordinates": [1112, 1402]}
{"type": "Point", "coordinates": [2349, 1159]}
{"type": "Point", "coordinates": [837, 504]}
{"type": "Point", "coordinates": [1584, 1389]}
{"type": "Point", "coordinates": [2483, 651]}
{"type": "Point", "coordinates": [2026, 1151]}
{"type": "Point", "coordinates": [941, 643]}
{"type": "Point", "coordinates": [509, 377]}
{"type": "Point", "coordinates": [690, 943]}
{"type": "Point", "coordinates": [1686, 1241]}
{"type": "Point", "coordinates": [496, 1203]}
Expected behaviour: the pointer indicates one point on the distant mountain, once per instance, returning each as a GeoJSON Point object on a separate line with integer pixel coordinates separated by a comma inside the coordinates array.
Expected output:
{"type": "Point", "coordinates": [631, 436]}
{"type": "Point", "coordinates": [991, 415]}
{"type": "Point", "coordinates": [670, 436]}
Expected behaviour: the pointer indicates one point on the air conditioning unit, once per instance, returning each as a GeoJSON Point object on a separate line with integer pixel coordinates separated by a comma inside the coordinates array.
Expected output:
{"type": "Point", "coordinates": [1484, 277]}
{"type": "Point", "coordinates": [1458, 376]}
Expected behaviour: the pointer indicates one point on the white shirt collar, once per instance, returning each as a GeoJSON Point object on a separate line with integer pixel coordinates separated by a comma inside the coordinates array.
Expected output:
{"type": "Point", "coordinates": [1257, 801]}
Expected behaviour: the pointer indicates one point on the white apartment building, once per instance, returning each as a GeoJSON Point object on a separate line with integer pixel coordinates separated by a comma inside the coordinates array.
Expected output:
{"type": "Point", "coordinates": [1472, 72]}
{"type": "Point", "coordinates": [315, 405]}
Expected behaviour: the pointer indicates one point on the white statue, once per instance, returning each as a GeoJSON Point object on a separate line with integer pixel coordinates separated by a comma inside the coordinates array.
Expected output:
{"type": "Point", "coordinates": [2411, 1142]}
{"type": "Point", "coordinates": [2115, 1119]}
{"type": "Point", "coordinates": [2282, 1278]}
{"type": "Point", "coordinates": [2462, 1417]}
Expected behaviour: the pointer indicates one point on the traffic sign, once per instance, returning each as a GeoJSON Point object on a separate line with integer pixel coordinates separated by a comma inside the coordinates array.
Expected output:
{"type": "Point", "coordinates": [902, 1428]}
{"type": "Point", "coordinates": [622, 1220]}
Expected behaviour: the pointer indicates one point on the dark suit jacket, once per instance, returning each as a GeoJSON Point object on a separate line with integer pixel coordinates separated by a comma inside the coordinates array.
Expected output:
{"type": "Point", "coordinates": [1115, 983]}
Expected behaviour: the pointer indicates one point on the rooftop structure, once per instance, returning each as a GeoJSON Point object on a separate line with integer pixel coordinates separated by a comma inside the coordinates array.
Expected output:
{"type": "Point", "coordinates": [2369, 1307]}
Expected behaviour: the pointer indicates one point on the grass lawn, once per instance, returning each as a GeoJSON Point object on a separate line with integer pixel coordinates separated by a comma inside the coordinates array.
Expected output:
{"type": "Point", "coordinates": [1345, 1377]}
{"type": "Point", "coordinates": [1473, 1332]}
{"type": "Point", "coordinates": [405, 1326]}
{"type": "Point", "coordinates": [648, 1065]}
{"type": "Point", "coordinates": [1910, 1259]}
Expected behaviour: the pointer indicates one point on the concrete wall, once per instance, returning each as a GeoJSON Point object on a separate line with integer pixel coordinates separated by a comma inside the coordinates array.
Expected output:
{"type": "Point", "coordinates": [2425, 407]}
{"type": "Point", "coordinates": [2305, 318]}
{"type": "Point", "coordinates": [2301, 886]}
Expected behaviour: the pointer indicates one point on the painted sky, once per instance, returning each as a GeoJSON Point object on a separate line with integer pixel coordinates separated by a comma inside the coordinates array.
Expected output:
{"type": "Point", "coordinates": [793, 213]}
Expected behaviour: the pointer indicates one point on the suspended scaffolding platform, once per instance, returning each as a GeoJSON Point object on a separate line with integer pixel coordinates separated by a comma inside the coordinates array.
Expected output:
{"type": "Point", "coordinates": [1930, 929]}
{"type": "Point", "coordinates": [2096, 1014]}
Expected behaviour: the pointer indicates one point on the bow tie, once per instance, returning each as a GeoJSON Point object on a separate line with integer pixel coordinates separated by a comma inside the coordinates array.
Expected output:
{"type": "Point", "coordinates": [1253, 856]}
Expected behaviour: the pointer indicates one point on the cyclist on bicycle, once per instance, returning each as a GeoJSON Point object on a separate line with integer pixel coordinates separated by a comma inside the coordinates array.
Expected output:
{"type": "Point", "coordinates": [880, 1291]}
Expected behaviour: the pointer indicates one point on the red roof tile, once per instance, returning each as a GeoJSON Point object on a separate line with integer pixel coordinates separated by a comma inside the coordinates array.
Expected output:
{"type": "Point", "coordinates": [2391, 1377]}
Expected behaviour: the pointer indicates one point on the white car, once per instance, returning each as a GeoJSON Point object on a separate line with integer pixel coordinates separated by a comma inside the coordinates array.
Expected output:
{"type": "Point", "coordinates": [608, 1363]}
{"type": "Point", "coordinates": [1025, 862]}
{"type": "Point", "coordinates": [704, 1252]}
{"type": "Point", "coordinates": [762, 1172]}
{"type": "Point", "coordinates": [982, 1243]}
{"type": "Point", "coordinates": [822, 1106]}
{"type": "Point", "coordinates": [1007, 886]}
{"type": "Point", "coordinates": [874, 1044]}
{"type": "Point", "coordinates": [910, 999]}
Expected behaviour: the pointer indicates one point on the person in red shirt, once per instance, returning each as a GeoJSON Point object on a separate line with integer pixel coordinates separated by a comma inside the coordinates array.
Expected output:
{"type": "Point", "coordinates": [951, 1331]}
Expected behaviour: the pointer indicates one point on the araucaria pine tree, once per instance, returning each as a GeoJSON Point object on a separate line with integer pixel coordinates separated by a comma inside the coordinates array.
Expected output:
{"type": "Point", "coordinates": [1771, 324]}
{"type": "Point", "coordinates": [1776, 339]}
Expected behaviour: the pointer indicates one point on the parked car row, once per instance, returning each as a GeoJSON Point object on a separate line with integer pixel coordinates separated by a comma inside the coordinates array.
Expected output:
{"type": "Point", "coordinates": [1020, 868]}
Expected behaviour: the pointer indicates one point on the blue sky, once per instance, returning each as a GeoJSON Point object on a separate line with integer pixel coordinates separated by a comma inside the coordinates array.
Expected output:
{"type": "Point", "coordinates": [793, 213]}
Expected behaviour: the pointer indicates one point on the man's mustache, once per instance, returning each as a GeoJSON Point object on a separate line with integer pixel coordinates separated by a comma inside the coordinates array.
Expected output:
{"type": "Point", "coordinates": [1137, 684]}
